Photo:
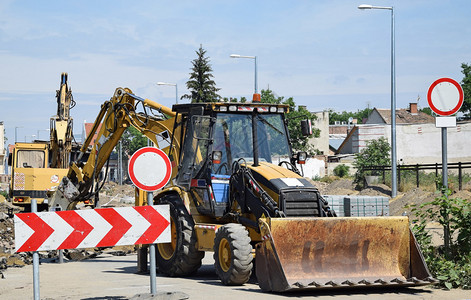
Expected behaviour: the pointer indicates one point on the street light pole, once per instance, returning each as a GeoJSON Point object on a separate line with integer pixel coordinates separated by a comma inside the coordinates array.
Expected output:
{"type": "Point", "coordinates": [393, 98]}
{"type": "Point", "coordinates": [256, 95]}
{"type": "Point", "coordinates": [42, 130]}
{"type": "Point", "coordinates": [16, 127]}
{"type": "Point", "coordinates": [171, 84]}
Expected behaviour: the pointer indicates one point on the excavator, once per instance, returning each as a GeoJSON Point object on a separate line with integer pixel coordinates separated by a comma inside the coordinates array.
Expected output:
{"type": "Point", "coordinates": [236, 191]}
{"type": "Point", "coordinates": [37, 167]}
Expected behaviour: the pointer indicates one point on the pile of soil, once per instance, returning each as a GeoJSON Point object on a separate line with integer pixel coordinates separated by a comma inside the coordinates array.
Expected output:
{"type": "Point", "coordinates": [114, 195]}
{"type": "Point", "coordinates": [339, 187]}
{"type": "Point", "coordinates": [7, 239]}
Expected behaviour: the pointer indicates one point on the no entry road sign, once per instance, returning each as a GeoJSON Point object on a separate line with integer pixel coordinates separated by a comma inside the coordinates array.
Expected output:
{"type": "Point", "coordinates": [445, 96]}
{"type": "Point", "coordinates": [101, 227]}
{"type": "Point", "coordinates": [150, 169]}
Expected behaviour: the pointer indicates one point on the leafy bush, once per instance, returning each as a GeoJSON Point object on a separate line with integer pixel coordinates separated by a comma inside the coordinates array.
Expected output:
{"type": "Point", "coordinates": [341, 170]}
{"type": "Point", "coordinates": [450, 263]}
{"type": "Point", "coordinates": [376, 153]}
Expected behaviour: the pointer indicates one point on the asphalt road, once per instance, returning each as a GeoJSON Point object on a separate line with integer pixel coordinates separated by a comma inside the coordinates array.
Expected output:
{"type": "Point", "coordinates": [114, 277]}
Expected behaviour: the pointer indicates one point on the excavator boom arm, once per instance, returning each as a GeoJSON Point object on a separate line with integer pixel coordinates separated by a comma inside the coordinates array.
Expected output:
{"type": "Point", "coordinates": [115, 116]}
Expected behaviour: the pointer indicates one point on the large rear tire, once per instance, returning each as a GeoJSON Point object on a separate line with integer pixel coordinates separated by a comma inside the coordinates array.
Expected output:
{"type": "Point", "coordinates": [180, 257]}
{"type": "Point", "coordinates": [233, 254]}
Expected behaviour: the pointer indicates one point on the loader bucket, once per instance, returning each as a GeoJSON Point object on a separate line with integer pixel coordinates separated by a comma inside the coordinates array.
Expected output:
{"type": "Point", "coordinates": [308, 253]}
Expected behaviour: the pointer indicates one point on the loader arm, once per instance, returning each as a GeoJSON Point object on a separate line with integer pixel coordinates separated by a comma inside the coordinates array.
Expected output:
{"type": "Point", "coordinates": [115, 116]}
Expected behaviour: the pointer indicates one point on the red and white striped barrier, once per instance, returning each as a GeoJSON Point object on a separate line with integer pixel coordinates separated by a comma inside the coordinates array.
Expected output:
{"type": "Point", "coordinates": [102, 227]}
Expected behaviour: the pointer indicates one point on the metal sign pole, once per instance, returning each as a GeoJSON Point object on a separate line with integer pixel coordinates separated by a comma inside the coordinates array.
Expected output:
{"type": "Point", "coordinates": [61, 256]}
{"type": "Point", "coordinates": [445, 98]}
{"type": "Point", "coordinates": [444, 158]}
{"type": "Point", "coordinates": [446, 232]}
{"type": "Point", "coordinates": [150, 180]}
{"type": "Point", "coordinates": [34, 208]}
{"type": "Point", "coordinates": [153, 271]}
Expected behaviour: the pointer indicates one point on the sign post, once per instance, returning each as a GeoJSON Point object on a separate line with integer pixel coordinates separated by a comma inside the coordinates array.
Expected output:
{"type": "Point", "coordinates": [36, 292]}
{"type": "Point", "coordinates": [445, 97]}
{"type": "Point", "coordinates": [150, 170]}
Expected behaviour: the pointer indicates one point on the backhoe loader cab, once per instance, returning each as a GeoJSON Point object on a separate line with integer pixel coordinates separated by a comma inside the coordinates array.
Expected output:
{"type": "Point", "coordinates": [221, 138]}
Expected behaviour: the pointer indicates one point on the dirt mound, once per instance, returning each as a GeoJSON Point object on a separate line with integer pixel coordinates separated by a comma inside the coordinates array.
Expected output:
{"type": "Point", "coordinates": [377, 190]}
{"type": "Point", "coordinates": [340, 187]}
{"type": "Point", "coordinates": [463, 194]}
{"type": "Point", "coordinates": [114, 195]}
{"type": "Point", "coordinates": [416, 196]}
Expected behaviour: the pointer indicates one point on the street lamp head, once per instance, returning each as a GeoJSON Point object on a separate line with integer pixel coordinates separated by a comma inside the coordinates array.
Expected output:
{"type": "Point", "coordinates": [235, 56]}
{"type": "Point", "coordinates": [166, 83]}
{"type": "Point", "coordinates": [365, 6]}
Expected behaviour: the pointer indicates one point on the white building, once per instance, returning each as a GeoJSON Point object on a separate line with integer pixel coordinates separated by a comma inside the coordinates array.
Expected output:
{"type": "Point", "coordinates": [418, 141]}
{"type": "Point", "coordinates": [322, 123]}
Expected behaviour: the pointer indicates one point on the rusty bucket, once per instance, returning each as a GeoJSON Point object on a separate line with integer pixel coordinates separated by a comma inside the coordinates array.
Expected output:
{"type": "Point", "coordinates": [301, 253]}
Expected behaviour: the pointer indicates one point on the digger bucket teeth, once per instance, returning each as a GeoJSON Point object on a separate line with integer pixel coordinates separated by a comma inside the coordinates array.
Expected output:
{"type": "Point", "coordinates": [313, 253]}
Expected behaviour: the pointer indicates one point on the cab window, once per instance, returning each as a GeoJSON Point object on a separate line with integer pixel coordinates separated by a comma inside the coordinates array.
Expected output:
{"type": "Point", "coordinates": [30, 159]}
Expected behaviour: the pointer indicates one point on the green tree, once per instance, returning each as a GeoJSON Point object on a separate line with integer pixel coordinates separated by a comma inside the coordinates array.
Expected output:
{"type": "Point", "coordinates": [376, 153]}
{"type": "Point", "coordinates": [201, 85]}
{"type": "Point", "coordinates": [345, 115]}
{"type": "Point", "coordinates": [426, 110]}
{"type": "Point", "coordinates": [294, 117]}
{"type": "Point", "coordinates": [466, 85]}
{"type": "Point", "coordinates": [133, 140]}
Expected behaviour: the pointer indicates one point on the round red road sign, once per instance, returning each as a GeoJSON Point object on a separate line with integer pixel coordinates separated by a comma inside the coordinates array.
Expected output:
{"type": "Point", "coordinates": [149, 169]}
{"type": "Point", "coordinates": [445, 96]}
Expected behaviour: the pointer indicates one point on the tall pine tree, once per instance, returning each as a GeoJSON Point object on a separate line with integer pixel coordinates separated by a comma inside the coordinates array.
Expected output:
{"type": "Point", "coordinates": [202, 87]}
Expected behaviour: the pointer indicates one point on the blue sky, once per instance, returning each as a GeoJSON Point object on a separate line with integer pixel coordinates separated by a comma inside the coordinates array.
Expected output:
{"type": "Point", "coordinates": [325, 54]}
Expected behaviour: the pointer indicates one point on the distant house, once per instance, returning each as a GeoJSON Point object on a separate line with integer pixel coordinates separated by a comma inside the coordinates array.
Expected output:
{"type": "Point", "coordinates": [417, 138]}
{"type": "Point", "coordinates": [87, 127]}
{"type": "Point", "coordinates": [321, 143]}
{"type": "Point", "coordinates": [337, 135]}
{"type": "Point", "coordinates": [403, 116]}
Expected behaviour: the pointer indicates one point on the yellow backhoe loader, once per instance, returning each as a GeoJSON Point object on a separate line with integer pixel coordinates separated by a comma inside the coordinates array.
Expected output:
{"type": "Point", "coordinates": [228, 196]}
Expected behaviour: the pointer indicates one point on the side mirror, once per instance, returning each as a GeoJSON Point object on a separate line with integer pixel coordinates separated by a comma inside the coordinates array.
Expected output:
{"type": "Point", "coordinates": [10, 158]}
{"type": "Point", "coordinates": [301, 157]}
{"type": "Point", "coordinates": [217, 156]}
{"type": "Point", "coordinates": [306, 127]}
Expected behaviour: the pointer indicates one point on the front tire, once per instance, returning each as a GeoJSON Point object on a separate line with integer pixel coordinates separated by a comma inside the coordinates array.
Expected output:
{"type": "Point", "coordinates": [179, 257]}
{"type": "Point", "coordinates": [233, 254]}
